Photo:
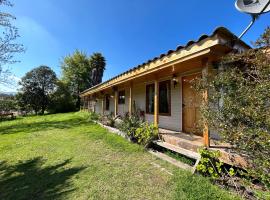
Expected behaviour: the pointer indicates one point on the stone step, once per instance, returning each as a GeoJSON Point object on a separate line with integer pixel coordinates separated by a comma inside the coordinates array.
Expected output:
{"type": "Point", "coordinates": [177, 149]}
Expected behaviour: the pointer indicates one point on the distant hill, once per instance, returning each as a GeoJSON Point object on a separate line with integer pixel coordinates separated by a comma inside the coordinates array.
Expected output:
{"type": "Point", "coordinates": [7, 94]}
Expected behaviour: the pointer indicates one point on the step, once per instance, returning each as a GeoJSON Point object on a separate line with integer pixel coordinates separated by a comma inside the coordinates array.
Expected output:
{"type": "Point", "coordinates": [185, 152]}
{"type": "Point", "coordinates": [173, 161]}
{"type": "Point", "coordinates": [183, 141]}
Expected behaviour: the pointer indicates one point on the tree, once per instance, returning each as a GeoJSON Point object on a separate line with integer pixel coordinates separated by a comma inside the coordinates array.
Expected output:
{"type": "Point", "coordinates": [37, 86]}
{"type": "Point", "coordinates": [76, 70]}
{"type": "Point", "coordinates": [61, 100]}
{"type": "Point", "coordinates": [8, 45]}
{"type": "Point", "coordinates": [7, 103]}
{"type": "Point", "coordinates": [81, 72]}
{"type": "Point", "coordinates": [238, 105]}
{"type": "Point", "coordinates": [97, 64]}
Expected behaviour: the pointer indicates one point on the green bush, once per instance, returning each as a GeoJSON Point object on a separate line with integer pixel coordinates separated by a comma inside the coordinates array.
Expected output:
{"type": "Point", "coordinates": [209, 163]}
{"type": "Point", "coordinates": [130, 125]}
{"type": "Point", "coordinates": [146, 133]}
{"type": "Point", "coordinates": [238, 105]}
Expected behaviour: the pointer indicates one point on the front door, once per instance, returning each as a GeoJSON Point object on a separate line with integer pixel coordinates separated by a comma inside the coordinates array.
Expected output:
{"type": "Point", "coordinates": [191, 106]}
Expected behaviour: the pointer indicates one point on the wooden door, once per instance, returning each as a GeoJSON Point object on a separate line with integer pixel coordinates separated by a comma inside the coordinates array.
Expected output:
{"type": "Point", "coordinates": [191, 101]}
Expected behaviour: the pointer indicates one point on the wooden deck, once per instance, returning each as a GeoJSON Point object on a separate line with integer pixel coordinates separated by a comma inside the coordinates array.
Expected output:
{"type": "Point", "coordinates": [192, 143]}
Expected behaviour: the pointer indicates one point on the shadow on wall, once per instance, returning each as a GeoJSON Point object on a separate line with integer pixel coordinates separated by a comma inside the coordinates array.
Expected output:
{"type": "Point", "coordinates": [30, 180]}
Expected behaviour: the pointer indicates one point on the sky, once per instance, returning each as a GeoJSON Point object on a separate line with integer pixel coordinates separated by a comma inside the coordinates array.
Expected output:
{"type": "Point", "coordinates": [127, 33]}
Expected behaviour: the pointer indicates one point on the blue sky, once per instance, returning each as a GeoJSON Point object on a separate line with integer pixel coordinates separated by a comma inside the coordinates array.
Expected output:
{"type": "Point", "coordinates": [127, 33]}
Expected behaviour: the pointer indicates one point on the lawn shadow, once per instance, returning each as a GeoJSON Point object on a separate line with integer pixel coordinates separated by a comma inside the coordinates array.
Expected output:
{"type": "Point", "coordinates": [42, 125]}
{"type": "Point", "coordinates": [29, 180]}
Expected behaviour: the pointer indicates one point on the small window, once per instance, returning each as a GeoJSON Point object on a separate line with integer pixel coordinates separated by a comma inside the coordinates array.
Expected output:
{"type": "Point", "coordinates": [165, 97]}
{"type": "Point", "coordinates": [107, 102]}
{"type": "Point", "coordinates": [121, 97]}
{"type": "Point", "coordinates": [150, 94]}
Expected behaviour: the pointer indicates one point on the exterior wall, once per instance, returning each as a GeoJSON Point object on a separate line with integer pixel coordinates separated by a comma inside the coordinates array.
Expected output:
{"type": "Point", "coordinates": [173, 122]}
{"type": "Point", "coordinates": [98, 107]}
{"type": "Point", "coordinates": [123, 108]}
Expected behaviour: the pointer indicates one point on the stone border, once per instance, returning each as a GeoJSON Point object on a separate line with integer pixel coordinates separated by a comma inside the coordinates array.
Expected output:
{"type": "Point", "coordinates": [114, 130]}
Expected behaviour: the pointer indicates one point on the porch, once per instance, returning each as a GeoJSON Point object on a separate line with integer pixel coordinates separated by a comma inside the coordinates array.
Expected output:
{"type": "Point", "coordinates": [189, 144]}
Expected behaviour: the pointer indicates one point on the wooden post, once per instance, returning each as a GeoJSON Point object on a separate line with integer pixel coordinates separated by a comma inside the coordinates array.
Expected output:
{"type": "Point", "coordinates": [206, 134]}
{"type": "Point", "coordinates": [102, 105]}
{"type": "Point", "coordinates": [156, 104]}
{"type": "Point", "coordinates": [88, 103]}
{"type": "Point", "coordinates": [130, 100]}
{"type": "Point", "coordinates": [115, 103]}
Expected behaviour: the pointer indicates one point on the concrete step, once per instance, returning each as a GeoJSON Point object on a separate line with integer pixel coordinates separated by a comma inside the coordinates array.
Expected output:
{"type": "Point", "coordinates": [177, 149]}
{"type": "Point", "coordinates": [183, 141]}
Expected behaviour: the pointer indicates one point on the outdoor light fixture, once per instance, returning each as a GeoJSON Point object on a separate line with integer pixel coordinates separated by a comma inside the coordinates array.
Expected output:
{"type": "Point", "coordinates": [175, 80]}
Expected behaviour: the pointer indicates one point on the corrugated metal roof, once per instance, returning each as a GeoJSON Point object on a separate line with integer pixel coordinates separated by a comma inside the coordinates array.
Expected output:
{"type": "Point", "coordinates": [219, 30]}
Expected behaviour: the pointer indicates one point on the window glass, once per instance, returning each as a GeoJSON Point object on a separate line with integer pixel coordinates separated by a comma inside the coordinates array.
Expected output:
{"type": "Point", "coordinates": [165, 97]}
{"type": "Point", "coordinates": [121, 97]}
{"type": "Point", "coordinates": [107, 102]}
{"type": "Point", "coordinates": [150, 93]}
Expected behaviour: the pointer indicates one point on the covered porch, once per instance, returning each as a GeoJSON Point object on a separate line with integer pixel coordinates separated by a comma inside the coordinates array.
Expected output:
{"type": "Point", "coordinates": [161, 89]}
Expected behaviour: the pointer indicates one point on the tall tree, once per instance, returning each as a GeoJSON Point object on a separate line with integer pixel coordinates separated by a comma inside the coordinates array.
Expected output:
{"type": "Point", "coordinates": [97, 64]}
{"type": "Point", "coordinates": [37, 85]}
{"type": "Point", "coordinates": [75, 71]}
{"type": "Point", "coordinates": [81, 72]}
{"type": "Point", "coordinates": [8, 45]}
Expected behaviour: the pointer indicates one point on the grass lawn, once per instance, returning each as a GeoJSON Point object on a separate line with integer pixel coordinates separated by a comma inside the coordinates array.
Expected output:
{"type": "Point", "coordinates": [66, 156]}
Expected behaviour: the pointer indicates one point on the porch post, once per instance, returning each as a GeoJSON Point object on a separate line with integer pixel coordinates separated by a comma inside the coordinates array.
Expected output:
{"type": "Point", "coordinates": [88, 103]}
{"type": "Point", "coordinates": [130, 100]}
{"type": "Point", "coordinates": [102, 105]}
{"type": "Point", "coordinates": [205, 72]}
{"type": "Point", "coordinates": [156, 104]}
{"type": "Point", "coordinates": [115, 102]}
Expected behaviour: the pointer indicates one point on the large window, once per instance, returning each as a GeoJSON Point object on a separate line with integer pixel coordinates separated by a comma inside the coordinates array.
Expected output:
{"type": "Point", "coordinates": [164, 98]}
{"type": "Point", "coordinates": [107, 102]}
{"type": "Point", "coordinates": [121, 97]}
{"type": "Point", "coordinates": [150, 93]}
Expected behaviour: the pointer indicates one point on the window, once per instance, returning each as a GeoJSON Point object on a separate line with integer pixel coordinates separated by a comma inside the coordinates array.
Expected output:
{"type": "Point", "coordinates": [150, 94]}
{"type": "Point", "coordinates": [121, 97]}
{"type": "Point", "coordinates": [107, 102]}
{"type": "Point", "coordinates": [165, 97]}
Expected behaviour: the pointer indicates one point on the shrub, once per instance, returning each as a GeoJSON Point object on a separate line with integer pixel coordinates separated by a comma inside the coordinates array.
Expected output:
{"type": "Point", "coordinates": [146, 133]}
{"type": "Point", "coordinates": [240, 93]}
{"type": "Point", "coordinates": [209, 163]}
{"type": "Point", "coordinates": [94, 116]}
{"type": "Point", "coordinates": [129, 126]}
{"type": "Point", "coordinates": [108, 120]}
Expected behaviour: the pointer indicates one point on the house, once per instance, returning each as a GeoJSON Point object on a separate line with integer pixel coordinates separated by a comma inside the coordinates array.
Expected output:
{"type": "Point", "coordinates": [161, 87]}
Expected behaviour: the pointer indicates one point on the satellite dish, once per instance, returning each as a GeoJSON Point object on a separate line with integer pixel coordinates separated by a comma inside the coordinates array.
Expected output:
{"type": "Point", "coordinates": [253, 7]}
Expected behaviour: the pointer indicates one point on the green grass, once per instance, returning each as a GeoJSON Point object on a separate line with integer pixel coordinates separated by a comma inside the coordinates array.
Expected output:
{"type": "Point", "coordinates": [66, 156]}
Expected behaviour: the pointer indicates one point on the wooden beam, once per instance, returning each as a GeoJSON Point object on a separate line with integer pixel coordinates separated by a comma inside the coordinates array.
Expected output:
{"type": "Point", "coordinates": [156, 104]}
{"type": "Point", "coordinates": [130, 99]}
{"type": "Point", "coordinates": [206, 134]}
{"type": "Point", "coordinates": [115, 103]}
